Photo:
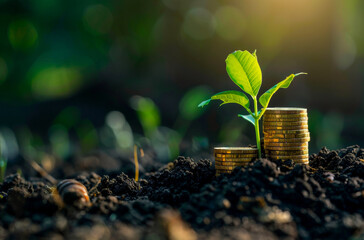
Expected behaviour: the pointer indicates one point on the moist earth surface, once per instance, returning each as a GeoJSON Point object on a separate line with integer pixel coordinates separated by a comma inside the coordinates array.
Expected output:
{"type": "Point", "coordinates": [185, 200]}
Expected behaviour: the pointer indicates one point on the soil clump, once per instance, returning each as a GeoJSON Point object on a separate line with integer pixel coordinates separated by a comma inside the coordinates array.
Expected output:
{"type": "Point", "coordinates": [184, 200]}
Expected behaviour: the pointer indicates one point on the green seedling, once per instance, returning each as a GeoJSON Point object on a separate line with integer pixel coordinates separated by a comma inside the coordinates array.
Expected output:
{"type": "Point", "coordinates": [244, 70]}
{"type": "Point", "coordinates": [3, 164]}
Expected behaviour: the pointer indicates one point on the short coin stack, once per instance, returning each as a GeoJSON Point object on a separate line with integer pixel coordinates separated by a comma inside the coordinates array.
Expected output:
{"type": "Point", "coordinates": [228, 158]}
{"type": "Point", "coordinates": [286, 134]}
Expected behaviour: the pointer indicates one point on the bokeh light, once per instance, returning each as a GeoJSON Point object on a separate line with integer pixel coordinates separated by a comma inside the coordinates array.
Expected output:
{"type": "Point", "coordinates": [98, 19]}
{"type": "Point", "coordinates": [121, 129]}
{"type": "Point", "coordinates": [3, 70]}
{"type": "Point", "coordinates": [54, 82]}
{"type": "Point", "coordinates": [230, 23]}
{"type": "Point", "coordinates": [60, 141]}
{"type": "Point", "coordinates": [345, 51]}
{"type": "Point", "coordinates": [148, 113]}
{"type": "Point", "coordinates": [22, 35]}
{"type": "Point", "coordinates": [199, 24]}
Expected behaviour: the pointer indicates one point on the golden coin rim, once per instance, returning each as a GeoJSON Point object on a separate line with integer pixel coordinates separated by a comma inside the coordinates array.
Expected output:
{"type": "Point", "coordinates": [295, 160]}
{"type": "Point", "coordinates": [234, 160]}
{"type": "Point", "coordinates": [285, 117]}
{"type": "Point", "coordinates": [286, 140]}
{"type": "Point", "coordinates": [284, 154]}
{"type": "Point", "coordinates": [235, 155]}
{"type": "Point", "coordinates": [286, 110]}
{"type": "Point", "coordinates": [232, 164]}
{"type": "Point", "coordinates": [284, 151]}
{"type": "Point", "coordinates": [287, 136]}
{"type": "Point", "coordinates": [286, 148]}
{"type": "Point", "coordinates": [221, 150]}
{"type": "Point", "coordinates": [277, 123]}
{"type": "Point", "coordinates": [282, 115]}
{"type": "Point", "coordinates": [280, 144]}
{"type": "Point", "coordinates": [226, 167]}
{"type": "Point", "coordinates": [294, 144]}
{"type": "Point", "coordinates": [280, 119]}
{"type": "Point", "coordinates": [288, 131]}
{"type": "Point", "coordinates": [285, 127]}
{"type": "Point", "coordinates": [236, 148]}
{"type": "Point", "coordinates": [289, 157]}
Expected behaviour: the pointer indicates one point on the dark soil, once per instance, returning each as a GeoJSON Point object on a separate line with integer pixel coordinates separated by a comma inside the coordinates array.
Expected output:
{"type": "Point", "coordinates": [184, 200]}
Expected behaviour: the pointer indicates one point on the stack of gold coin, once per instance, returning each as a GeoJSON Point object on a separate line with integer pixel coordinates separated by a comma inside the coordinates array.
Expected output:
{"type": "Point", "coordinates": [286, 134]}
{"type": "Point", "coordinates": [228, 158]}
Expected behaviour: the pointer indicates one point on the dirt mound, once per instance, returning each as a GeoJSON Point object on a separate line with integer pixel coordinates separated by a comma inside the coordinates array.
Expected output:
{"type": "Point", "coordinates": [265, 200]}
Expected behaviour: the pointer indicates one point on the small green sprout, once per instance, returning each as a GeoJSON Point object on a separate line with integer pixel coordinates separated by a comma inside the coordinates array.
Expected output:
{"type": "Point", "coordinates": [3, 164]}
{"type": "Point", "coordinates": [244, 70]}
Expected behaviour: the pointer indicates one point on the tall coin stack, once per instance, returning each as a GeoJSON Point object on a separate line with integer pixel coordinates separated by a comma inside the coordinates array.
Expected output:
{"type": "Point", "coordinates": [286, 134]}
{"type": "Point", "coordinates": [228, 158]}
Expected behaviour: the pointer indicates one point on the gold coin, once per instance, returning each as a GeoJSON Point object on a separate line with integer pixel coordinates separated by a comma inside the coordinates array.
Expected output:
{"type": "Point", "coordinates": [286, 140]}
{"type": "Point", "coordinates": [284, 124]}
{"type": "Point", "coordinates": [286, 136]}
{"type": "Point", "coordinates": [286, 148]}
{"type": "Point", "coordinates": [280, 119]}
{"type": "Point", "coordinates": [285, 153]}
{"type": "Point", "coordinates": [232, 163]}
{"type": "Point", "coordinates": [285, 116]}
{"type": "Point", "coordinates": [242, 150]}
{"type": "Point", "coordinates": [268, 128]}
{"type": "Point", "coordinates": [280, 131]}
{"type": "Point", "coordinates": [287, 110]}
{"type": "Point", "coordinates": [235, 155]}
{"type": "Point", "coordinates": [293, 157]}
{"type": "Point", "coordinates": [293, 144]}
{"type": "Point", "coordinates": [234, 159]}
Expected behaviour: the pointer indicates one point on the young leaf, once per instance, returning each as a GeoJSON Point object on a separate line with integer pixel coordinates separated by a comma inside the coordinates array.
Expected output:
{"type": "Point", "coordinates": [204, 103]}
{"type": "Point", "coordinates": [265, 98]}
{"type": "Point", "coordinates": [244, 70]}
{"type": "Point", "coordinates": [232, 97]}
{"type": "Point", "coordinates": [249, 118]}
{"type": "Point", "coordinates": [229, 97]}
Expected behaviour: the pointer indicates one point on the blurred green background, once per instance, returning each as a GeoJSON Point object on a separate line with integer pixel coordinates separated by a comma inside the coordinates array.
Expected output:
{"type": "Point", "coordinates": [80, 76]}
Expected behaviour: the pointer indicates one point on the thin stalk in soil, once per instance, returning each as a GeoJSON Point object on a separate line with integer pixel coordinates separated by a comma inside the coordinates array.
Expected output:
{"type": "Point", "coordinates": [136, 163]}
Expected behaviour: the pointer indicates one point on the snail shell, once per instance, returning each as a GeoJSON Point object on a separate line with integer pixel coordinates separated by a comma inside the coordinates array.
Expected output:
{"type": "Point", "coordinates": [71, 190]}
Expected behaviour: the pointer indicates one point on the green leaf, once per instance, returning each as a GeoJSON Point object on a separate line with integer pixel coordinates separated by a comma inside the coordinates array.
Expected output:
{"type": "Point", "coordinates": [249, 118]}
{"type": "Point", "coordinates": [232, 97]}
{"type": "Point", "coordinates": [244, 70]}
{"type": "Point", "coordinates": [204, 103]}
{"type": "Point", "coordinates": [265, 98]}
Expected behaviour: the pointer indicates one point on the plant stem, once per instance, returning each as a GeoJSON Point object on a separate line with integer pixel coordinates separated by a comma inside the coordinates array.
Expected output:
{"type": "Point", "coordinates": [257, 134]}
